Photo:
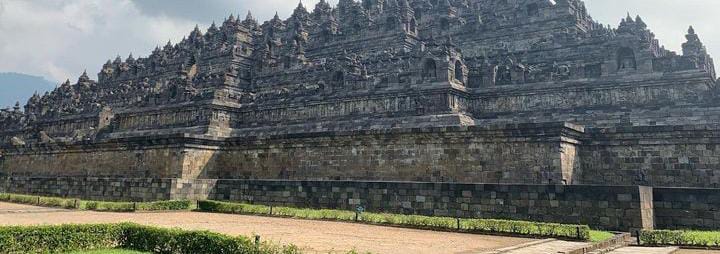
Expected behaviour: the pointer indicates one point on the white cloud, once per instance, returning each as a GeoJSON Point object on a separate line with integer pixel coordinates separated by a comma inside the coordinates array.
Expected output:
{"type": "Point", "coordinates": [58, 39]}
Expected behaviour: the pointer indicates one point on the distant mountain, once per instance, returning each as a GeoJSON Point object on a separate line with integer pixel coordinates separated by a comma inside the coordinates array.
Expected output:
{"type": "Point", "coordinates": [19, 87]}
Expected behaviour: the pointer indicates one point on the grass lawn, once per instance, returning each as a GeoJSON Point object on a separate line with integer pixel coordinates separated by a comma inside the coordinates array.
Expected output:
{"type": "Point", "coordinates": [114, 251]}
{"type": "Point", "coordinates": [599, 236]}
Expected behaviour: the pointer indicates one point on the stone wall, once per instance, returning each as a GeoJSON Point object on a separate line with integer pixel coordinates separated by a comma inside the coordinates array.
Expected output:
{"type": "Point", "coordinates": [391, 103]}
{"type": "Point", "coordinates": [625, 91]}
{"type": "Point", "coordinates": [603, 117]}
{"type": "Point", "coordinates": [607, 207]}
{"type": "Point", "coordinates": [687, 208]}
{"type": "Point", "coordinates": [91, 188]}
{"type": "Point", "coordinates": [614, 208]}
{"type": "Point", "coordinates": [542, 153]}
{"type": "Point", "coordinates": [670, 156]}
{"type": "Point", "coordinates": [133, 159]}
{"type": "Point", "coordinates": [453, 154]}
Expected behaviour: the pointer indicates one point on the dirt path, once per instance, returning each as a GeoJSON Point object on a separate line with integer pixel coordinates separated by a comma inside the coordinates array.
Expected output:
{"type": "Point", "coordinates": [311, 236]}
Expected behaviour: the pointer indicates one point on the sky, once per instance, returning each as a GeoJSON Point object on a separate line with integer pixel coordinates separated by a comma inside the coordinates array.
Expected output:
{"type": "Point", "coordinates": [58, 39]}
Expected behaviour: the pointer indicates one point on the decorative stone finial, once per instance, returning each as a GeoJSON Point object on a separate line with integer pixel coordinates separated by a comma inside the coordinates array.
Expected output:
{"type": "Point", "coordinates": [249, 16]}
{"type": "Point", "coordinates": [640, 22]}
{"type": "Point", "coordinates": [84, 77]}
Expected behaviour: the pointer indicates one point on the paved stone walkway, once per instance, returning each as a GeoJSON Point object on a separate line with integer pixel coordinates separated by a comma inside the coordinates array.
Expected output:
{"type": "Point", "coordinates": [316, 236]}
{"type": "Point", "coordinates": [312, 236]}
{"type": "Point", "coordinates": [548, 246]}
{"type": "Point", "coordinates": [686, 251]}
{"type": "Point", "coordinates": [551, 246]}
{"type": "Point", "coordinates": [644, 250]}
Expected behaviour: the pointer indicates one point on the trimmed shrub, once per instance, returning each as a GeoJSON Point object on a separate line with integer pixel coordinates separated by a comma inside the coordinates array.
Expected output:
{"type": "Point", "coordinates": [580, 232]}
{"type": "Point", "coordinates": [38, 200]}
{"type": "Point", "coordinates": [680, 237]}
{"type": "Point", "coordinates": [96, 205]}
{"type": "Point", "coordinates": [66, 238]}
{"type": "Point", "coordinates": [410, 220]}
{"type": "Point", "coordinates": [174, 241]}
{"type": "Point", "coordinates": [224, 207]}
{"type": "Point", "coordinates": [312, 214]}
{"type": "Point", "coordinates": [107, 206]}
{"type": "Point", "coordinates": [43, 239]}
{"type": "Point", "coordinates": [165, 205]}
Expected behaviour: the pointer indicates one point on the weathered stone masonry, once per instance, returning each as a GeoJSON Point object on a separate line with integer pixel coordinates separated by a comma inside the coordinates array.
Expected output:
{"type": "Point", "coordinates": [671, 156]}
{"type": "Point", "coordinates": [499, 97]}
{"type": "Point", "coordinates": [607, 207]}
{"type": "Point", "coordinates": [613, 208]}
{"type": "Point", "coordinates": [683, 208]}
{"type": "Point", "coordinates": [542, 153]}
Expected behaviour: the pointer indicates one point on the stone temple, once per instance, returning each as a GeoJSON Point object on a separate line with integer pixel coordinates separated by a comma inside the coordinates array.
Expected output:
{"type": "Point", "coordinates": [497, 108]}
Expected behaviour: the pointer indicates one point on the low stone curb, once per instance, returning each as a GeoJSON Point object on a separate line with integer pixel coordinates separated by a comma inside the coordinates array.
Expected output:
{"type": "Point", "coordinates": [519, 246]}
{"type": "Point", "coordinates": [619, 240]}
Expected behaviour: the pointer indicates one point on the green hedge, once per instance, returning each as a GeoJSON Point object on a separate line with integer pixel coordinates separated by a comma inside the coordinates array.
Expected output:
{"type": "Point", "coordinates": [66, 238]}
{"type": "Point", "coordinates": [680, 237]}
{"type": "Point", "coordinates": [96, 205]}
{"type": "Point", "coordinates": [54, 239]}
{"type": "Point", "coordinates": [175, 241]}
{"type": "Point", "coordinates": [580, 232]}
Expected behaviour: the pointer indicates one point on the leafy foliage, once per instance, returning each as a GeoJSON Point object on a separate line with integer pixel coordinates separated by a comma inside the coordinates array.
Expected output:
{"type": "Point", "coordinates": [66, 238]}
{"type": "Point", "coordinates": [581, 232]}
{"type": "Point", "coordinates": [96, 205]}
{"type": "Point", "coordinates": [680, 237]}
{"type": "Point", "coordinates": [43, 239]}
{"type": "Point", "coordinates": [108, 251]}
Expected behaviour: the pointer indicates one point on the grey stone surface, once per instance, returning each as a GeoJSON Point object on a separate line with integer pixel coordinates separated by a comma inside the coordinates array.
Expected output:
{"type": "Point", "coordinates": [607, 207]}
{"type": "Point", "coordinates": [480, 91]}
{"type": "Point", "coordinates": [272, 100]}
{"type": "Point", "coordinates": [683, 208]}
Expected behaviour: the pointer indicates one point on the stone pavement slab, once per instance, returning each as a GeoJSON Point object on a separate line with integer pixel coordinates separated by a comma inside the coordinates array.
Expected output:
{"type": "Point", "coordinates": [645, 250]}
{"type": "Point", "coordinates": [541, 247]}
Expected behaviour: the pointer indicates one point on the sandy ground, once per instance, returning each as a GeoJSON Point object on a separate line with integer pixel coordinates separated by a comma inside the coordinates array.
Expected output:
{"type": "Point", "coordinates": [683, 251]}
{"type": "Point", "coordinates": [311, 236]}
